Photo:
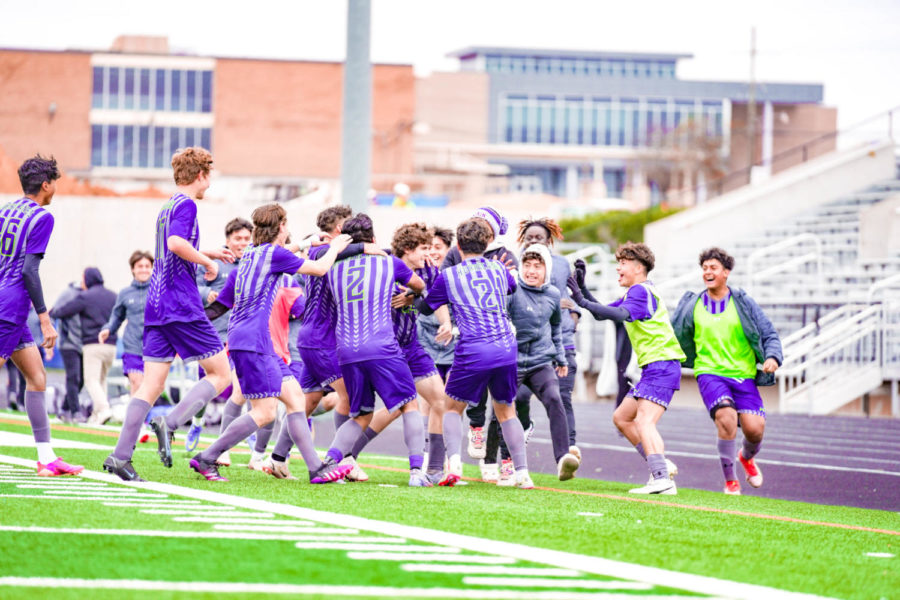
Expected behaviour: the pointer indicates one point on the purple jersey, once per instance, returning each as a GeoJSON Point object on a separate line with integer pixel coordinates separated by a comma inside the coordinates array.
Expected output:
{"type": "Point", "coordinates": [405, 318]}
{"type": "Point", "coordinates": [638, 302]}
{"type": "Point", "coordinates": [256, 281]}
{"type": "Point", "coordinates": [173, 294]}
{"type": "Point", "coordinates": [320, 313]}
{"type": "Point", "coordinates": [25, 228]}
{"type": "Point", "coordinates": [362, 287]}
{"type": "Point", "coordinates": [477, 291]}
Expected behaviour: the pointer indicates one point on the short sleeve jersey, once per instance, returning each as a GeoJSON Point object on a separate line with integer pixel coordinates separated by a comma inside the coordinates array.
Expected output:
{"type": "Point", "coordinates": [320, 313]}
{"type": "Point", "coordinates": [255, 286]}
{"type": "Point", "coordinates": [639, 303]}
{"type": "Point", "coordinates": [405, 318]}
{"type": "Point", "coordinates": [173, 294]}
{"type": "Point", "coordinates": [362, 287]}
{"type": "Point", "coordinates": [477, 291]}
{"type": "Point", "coordinates": [25, 228]}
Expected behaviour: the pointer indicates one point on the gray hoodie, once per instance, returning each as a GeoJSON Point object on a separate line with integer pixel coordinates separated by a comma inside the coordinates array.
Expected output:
{"type": "Point", "coordinates": [130, 306]}
{"type": "Point", "coordinates": [69, 329]}
{"type": "Point", "coordinates": [559, 279]}
{"type": "Point", "coordinates": [536, 315]}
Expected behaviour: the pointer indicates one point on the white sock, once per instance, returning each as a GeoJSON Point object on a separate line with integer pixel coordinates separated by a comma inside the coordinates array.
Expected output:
{"type": "Point", "coordinates": [46, 455]}
{"type": "Point", "coordinates": [198, 421]}
{"type": "Point", "coordinates": [257, 456]}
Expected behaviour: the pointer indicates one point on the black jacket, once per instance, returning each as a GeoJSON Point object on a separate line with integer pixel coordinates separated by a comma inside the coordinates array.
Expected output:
{"type": "Point", "coordinates": [94, 305]}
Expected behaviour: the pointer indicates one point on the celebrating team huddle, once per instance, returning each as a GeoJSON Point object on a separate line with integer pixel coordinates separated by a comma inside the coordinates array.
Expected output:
{"type": "Point", "coordinates": [451, 317]}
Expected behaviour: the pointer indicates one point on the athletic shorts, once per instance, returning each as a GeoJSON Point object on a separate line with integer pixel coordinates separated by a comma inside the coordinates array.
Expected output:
{"type": "Point", "coordinates": [132, 363]}
{"type": "Point", "coordinates": [320, 368]}
{"type": "Point", "coordinates": [14, 337]}
{"type": "Point", "coordinates": [390, 378]}
{"type": "Point", "coordinates": [467, 384]}
{"type": "Point", "coordinates": [443, 371]}
{"type": "Point", "coordinates": [260, 375]}
{"type": "Point", "coordinates": [741, 394]}
{"type": "Point", "coordinates": [420, 364]}
{"type": "Point", "coordinates": [658, 382]}
{"type": "Point", "coordinates": [193, 340]}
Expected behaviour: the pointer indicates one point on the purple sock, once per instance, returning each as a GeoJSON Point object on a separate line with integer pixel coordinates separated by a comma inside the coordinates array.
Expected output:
{"type": "Point", "coordinates": [414, 436]}
{"type": "Point", "coordinates": [452, 432]}
{"type": "Point", "coordinates": [231, 412]}
{"type": "Point", "coordinates": [514, 436]}
{"type": "Point", "coordinates": [296, 425]}
{"type": "Point", "coordinates": [640, 449]}
{"type": "Point", "coordinates": [367, 436]}
{"type": "Point", "coordinates": [425, 427]}
{"type": "Point", "coordinates": [657, 464]}
{"type": "Point", "coordinates": [239, 430]}
{"type": "Point", "coordinates": [283, 443]}
{"type": "Point", "coordinates": [263, 436]}
{"type": "Point", "coordinates": [37, 416]}
{"type": "Point", "coordinates": [344, 439]}
{"type": "Point", "coordinates": [437, 453]}
{"type": "Point", "coordinates": [339, 420]}
{"type": "Point", "coordinates": [135, 414]}
{"type": "Point", "coordinates": [727, 451]}
{"type": "Point", "coordinates": [191, 404]}
{"type": "Point", "coordinates": [750, 450]}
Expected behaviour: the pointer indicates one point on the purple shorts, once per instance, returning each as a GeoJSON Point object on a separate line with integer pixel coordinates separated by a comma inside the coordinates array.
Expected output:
{"type": "Point", "coordinates": [390, 378]}
{"type": "Point", "coordinates": [658, 382]}
{"type": "Point", "coordinates": [740, 394]}
{"type": "Point", "coordinates": [320, 368]}
{"type": "Point", "coordinates": [420, 364]}
{"type": "Point", "coordinates": [14, 337]}
{"type": "Point", "coordinates": [260, 375]}
{"type": "Point", "coordinates": [466, 384]}
{"type": "Point", "coordinates": [443, 371]}
{"type": "Point", "coordinates": [132, 363]}
{"type": "Point", "coordinates": [193, 340]}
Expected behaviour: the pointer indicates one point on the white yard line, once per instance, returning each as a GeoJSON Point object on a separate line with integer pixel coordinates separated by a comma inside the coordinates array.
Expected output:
{"type": "Point", "coordinates": [440, 558]}
{"type": "Point", "coordinates": [503, 551]}
{"type": "Point", "coordinates": [224, 535]}
{"type": "Point", "coordinates": [556, 583]}
{"type": "Point", "coordinates": [490, 570]}
{"type": "Point", "coordinates": [353, 546]}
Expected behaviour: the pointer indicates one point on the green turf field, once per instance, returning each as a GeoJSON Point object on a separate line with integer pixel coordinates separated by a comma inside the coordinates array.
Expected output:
{"type": "Point", "coordinates": [249, 530]}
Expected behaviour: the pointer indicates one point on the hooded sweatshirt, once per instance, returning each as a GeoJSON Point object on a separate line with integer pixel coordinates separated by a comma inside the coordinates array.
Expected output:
{"type": "Point", "coordinates": [536, 315]}
{"type": "Point", "coordinates": [130, 306]}
{"type": "Point", "coordinates": [69, 329]}
{"type": "Point", "coordinates": [94, 305]}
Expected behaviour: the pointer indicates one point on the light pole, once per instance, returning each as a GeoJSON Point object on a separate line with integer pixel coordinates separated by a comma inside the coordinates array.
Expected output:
{"type": "Point", "coordinates": [356, 130]}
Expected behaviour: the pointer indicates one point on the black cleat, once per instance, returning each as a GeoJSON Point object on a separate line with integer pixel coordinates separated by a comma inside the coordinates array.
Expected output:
{"type": "Point", "coordinates": [164, 439]}
{"type": "Point", "coordinates": [122, 468]}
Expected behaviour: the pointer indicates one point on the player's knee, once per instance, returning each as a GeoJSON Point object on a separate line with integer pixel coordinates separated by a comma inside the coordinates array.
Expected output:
{"type": "Point", "coordinates": [725, 418]}
{"type": "Point", "coordinates": [36, 382]}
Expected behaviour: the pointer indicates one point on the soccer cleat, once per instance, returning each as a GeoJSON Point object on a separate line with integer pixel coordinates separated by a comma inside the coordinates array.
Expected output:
{"type": "Point", "coordinates": [452, 472]}
{"type": "Point", "coordinates": [732, 488]}
{"type": "Point", "coordinates": [164, 439]}
{"type": "Point", "coordinates": [356, 473]}
{"type": "Point", "coordinates": [657, 486]}
{"type": "Point", "coordinates": [144, 437]}
{"type": "Point", "coordinates": [476, 442]}
{"type": "Point", "coordinates": [224, 459]}
{"type": "Point", "coordinates": [57, 468]}
{"type": "Point", "coordinates": [567, 466]}
{"type": "Point", "coordinates": [754, 473]}
{"type": "Point", "coordinates": [276, 468]}
{"type": "Point", "coordinates": [255, 464]}
{"type": "Point", "coordinates": [418, 479]}
{"type": "Point", "coordinates": [523, 480]}
{"type": "Point", "coordinates": [489, 471]}
{"type": "Point", "coordinates": [435, 478]}
{"type": "Point", "coordinates": [330, 472]}
{"type": "Point", "coordinates": [576, 452]}
{"type": "Point", "coordinates": [507, 473]}
{"type": "Point", "coordinates": [208, 469]}
{"type": "Point", "coordinates": [193, 438]}
{"type": "Point", "coordinates": [123, 469]}
{"type": "Point", "coordinates": [529, 431]}
{"type": "Point", "coordinates": [671, 469]}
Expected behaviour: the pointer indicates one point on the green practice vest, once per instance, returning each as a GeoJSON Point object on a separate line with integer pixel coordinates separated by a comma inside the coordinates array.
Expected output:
{"type": "Point", "coordinates": [722, 347]}
{"type": "Point", "coordinates": [653, 339]}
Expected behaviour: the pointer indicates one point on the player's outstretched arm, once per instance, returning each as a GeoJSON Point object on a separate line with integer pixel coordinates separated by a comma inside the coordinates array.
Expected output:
{"type": "Point", "coordinates": [600, 311]}
{"type": "Point", "coordinates": [319, 267]}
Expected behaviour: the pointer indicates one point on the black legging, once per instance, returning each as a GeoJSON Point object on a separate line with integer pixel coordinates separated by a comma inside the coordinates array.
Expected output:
{"type": "Point", "coordinates": [72, 362]}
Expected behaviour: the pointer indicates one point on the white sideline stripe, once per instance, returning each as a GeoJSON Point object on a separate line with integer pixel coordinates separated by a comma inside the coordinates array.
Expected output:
{"type": "Point", "coordinates": [444, 558]}
{"type": "Point", "coordinates": [197, 513]}
{"type": "Point", "coordinates": [168, 503]}
{"type": "Point", "coordinates": [490, 570]}
{"type": "Point", "coordinates": [325, 591]}
{"type": "Point", "coordinates": [556, 558]}
{"type": "Point", "coordinates": [52, 482]}
{"type": "Point", "coordinates": [225, 535]}
{"type": "Point", "coordinates": [300, 526]}
{"type": "Point", "coordinates": [21, 440]}
{"type": "Point", "coordinates": [72, 487]}
{"type": "Point", "coordinates": [360, 547]}
{"type": "Point", "coordinates": [557, 583]}
{"type": "Point", "coordinates": [22, 478]}
{"type": "Point", "coordinates": [179, 505]}
{"type": "Point", "coordinates": [162, 504]}
{"type": "Point", "coordinates": [229, 519]}
{"type": "Point", "coordinates": [108, 492]}
{"type": "Point", "coordinates": [51, 496]}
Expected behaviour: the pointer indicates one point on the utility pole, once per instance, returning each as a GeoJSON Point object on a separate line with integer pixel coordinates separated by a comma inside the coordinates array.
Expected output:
{"type": "Point", "coordinates": [751, 103]}
{"type": "Point", "coordinates": [356, 131]}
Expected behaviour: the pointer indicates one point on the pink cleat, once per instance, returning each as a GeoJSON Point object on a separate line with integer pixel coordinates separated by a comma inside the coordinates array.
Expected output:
{"type": "Point", "coordinates": [57, 468]}
{"type": "Point", "coordinates": [330, 472]}
{"type": "Point", "coordinates": [210, 471]}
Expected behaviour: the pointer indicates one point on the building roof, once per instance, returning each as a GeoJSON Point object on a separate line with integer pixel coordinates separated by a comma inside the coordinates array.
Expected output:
{"type": "Point", "coordinates": [473, 51]}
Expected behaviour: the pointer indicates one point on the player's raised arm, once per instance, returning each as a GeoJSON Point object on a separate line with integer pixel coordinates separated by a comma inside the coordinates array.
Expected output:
{"type": "Point", "coordinates": [320, 267]}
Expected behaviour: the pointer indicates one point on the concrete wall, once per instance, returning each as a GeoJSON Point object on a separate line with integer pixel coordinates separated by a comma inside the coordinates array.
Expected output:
{"type": "Point", "coordinates": [680, 237]}
{"type": "Point", "coordinates": [453, 106]}
{"type": "Point", "coordinates": [879, 229]}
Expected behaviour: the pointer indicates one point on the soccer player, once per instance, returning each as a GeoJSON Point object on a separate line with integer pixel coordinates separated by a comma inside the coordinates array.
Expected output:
{"type": "Point", "coordinates": [25, 228]}
{"type": "Point", "coordinates": [370, 357]}
{"type": "Point", "coordinates": [427, 325]}
{"type": "Point", "coordinates": [262, 376]}
{"type": "Point", "coordinates": [476, 290]}
{"type": "Point", "coordinates": [725, 334]}
{"type": "Point", "coordinates": [174, 321]}
{"type": "Point", "coordinates": [647, 322]}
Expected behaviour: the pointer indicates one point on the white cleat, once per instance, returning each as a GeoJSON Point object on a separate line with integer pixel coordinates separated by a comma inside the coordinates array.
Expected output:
{"type": "Point", "coordinates": [658, 486]}
{"type": "Point", "coordinates": [489, 471]}
{"type": "Point", "coordinates": [507, 473]}
{"type": "Point", "coordinates": [476, 447]}
{"type": "Point", "coordinates": [277, 469]}
{"type": "Point", "coordinates": [671, 468]}
{"type": "Point", "coordinates": [576, 452]}
{"type": "Point", "coordinates": [357, 474]}
{"type": "Point", "coordinates": [256, 464]}
{"type": "Point", "coordinates": [567, 466]}
{"type": "Point", "coordinates": [224, 460]}
{"type": "Point", "coordinates": [523, 480]}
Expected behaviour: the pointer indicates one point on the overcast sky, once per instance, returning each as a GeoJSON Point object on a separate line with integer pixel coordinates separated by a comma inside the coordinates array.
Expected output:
{"type": "Point", "coordinates": [852, 47]}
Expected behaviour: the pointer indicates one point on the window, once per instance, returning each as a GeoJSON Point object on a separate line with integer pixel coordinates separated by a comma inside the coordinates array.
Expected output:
{"type": "Point", "coordinates": [127, 146]}
{"type": "Point", "coordinates": [142, 146]}
{"type": "Point", "coordinates": [126, 88]}
{"type": "Point", "coordinates": [112, 88]}
{"type": "Point", "coordinates": [175, 100]}
{"type": "Point", "coordinates": [129, 90]}
{"type": "Point", "coordinates": [161, 77]}
{"type": "Point", "coordinates": [97, 95]}
{"type": "Point", "coordinates": [144, 90]}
